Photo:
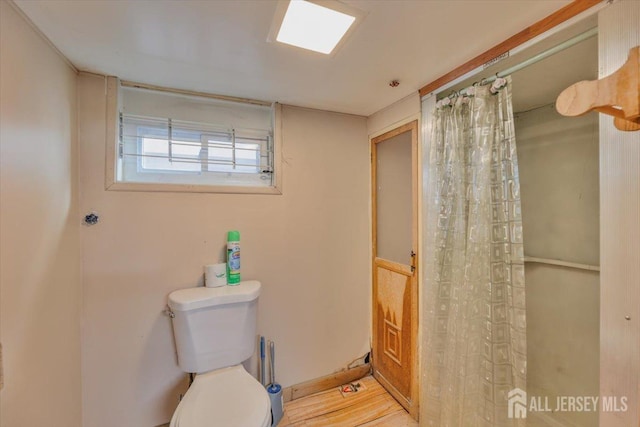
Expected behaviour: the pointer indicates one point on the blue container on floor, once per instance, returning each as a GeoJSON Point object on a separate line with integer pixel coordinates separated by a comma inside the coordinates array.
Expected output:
{"type": "Point", "coordinates": [277, 409]}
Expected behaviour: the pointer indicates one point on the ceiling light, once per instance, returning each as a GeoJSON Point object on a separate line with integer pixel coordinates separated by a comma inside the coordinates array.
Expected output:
{"type": "Point", "coordinates": [314, 26]}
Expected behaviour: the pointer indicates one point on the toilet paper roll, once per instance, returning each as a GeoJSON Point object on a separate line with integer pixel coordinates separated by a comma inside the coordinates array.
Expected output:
{"type": "Point", "coordinates": [215, 275]}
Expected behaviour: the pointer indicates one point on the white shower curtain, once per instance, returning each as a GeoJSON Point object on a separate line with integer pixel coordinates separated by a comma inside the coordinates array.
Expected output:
{"type": "Point", "coordinates": [474, 331]}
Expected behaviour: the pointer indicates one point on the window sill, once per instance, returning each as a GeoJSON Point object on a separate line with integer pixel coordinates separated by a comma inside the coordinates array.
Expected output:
{"type": "Point", "coordinates": [191, 188]}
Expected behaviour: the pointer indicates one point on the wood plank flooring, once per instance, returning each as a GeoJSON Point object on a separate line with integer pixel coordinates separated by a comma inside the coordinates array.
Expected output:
{"type": "Point", "coordinates": [371, 407]}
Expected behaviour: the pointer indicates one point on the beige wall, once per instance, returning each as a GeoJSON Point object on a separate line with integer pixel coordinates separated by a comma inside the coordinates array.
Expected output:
{"type": "Point", "coordinates": [307, 246]}
{"type": "Point", "coordinates": [396, 114]}
{"type": "Point", "coordinates": [39, 224]}
{"type": "Point", "coordinates": [558, 164]}
{"type": "Point", "coordinates": [562, 340]}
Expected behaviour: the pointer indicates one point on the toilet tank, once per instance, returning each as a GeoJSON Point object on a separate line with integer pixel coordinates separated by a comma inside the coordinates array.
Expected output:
{"type": "Point", "coordinates": [214, 327]}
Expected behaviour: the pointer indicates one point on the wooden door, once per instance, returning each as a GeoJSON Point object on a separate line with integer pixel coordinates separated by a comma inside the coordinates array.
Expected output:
{"type": "Point", "coordinates": [395, 270]}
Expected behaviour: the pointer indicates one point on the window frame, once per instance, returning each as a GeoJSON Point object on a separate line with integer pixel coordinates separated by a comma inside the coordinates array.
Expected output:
{"type": "Point", "coordinates": [112, 142]}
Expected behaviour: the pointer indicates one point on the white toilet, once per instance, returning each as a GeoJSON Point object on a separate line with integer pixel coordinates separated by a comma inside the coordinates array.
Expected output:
{"type": "Point", "coordinates": [215, 331]}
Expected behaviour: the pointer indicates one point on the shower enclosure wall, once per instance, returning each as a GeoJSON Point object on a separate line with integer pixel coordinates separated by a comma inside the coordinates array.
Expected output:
{"type": "Point", "coordinates": [558, 161]}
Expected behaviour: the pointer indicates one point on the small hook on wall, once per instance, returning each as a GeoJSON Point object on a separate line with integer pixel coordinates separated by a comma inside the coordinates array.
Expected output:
{"type": "Point", "coordinates": [91, 218]}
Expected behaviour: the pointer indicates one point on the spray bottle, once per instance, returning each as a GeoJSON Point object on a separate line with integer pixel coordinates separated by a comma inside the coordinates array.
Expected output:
{"type": "Point", "coordinates": [233, 257]}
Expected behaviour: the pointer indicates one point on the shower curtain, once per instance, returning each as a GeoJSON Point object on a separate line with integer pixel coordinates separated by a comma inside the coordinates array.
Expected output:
{"type": "Point", "coordinates": [474, 335]}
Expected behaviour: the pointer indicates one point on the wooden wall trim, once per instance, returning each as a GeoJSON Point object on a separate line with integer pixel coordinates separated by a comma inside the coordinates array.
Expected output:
{"type": "Point", "coordinates": [325, 383]}
{"type": "Point", "coordinates": [413, 124]}
{"type": "Point", "coordinates": [569, 11]}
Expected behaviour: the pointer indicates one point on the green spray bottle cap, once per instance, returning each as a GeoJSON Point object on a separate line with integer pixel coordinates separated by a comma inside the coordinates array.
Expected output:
{"type": "Point", "coordinates": [233, 236]}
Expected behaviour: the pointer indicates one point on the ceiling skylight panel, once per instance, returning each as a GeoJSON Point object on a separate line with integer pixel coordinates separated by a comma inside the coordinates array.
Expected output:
{"type": "Point", "coordinates": [313, 26]}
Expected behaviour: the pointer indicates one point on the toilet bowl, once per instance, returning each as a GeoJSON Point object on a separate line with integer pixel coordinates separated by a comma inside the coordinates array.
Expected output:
{"type": "Point", "coordinates": [215, 331]}
{"type": "Point", "coordinates": [228, 397]}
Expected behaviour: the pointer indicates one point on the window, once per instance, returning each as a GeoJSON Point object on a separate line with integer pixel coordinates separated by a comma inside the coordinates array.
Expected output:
{"type": "Point", "coordinates": [161, 151]}
{"type": "Point", "coordinates": [157, 150]}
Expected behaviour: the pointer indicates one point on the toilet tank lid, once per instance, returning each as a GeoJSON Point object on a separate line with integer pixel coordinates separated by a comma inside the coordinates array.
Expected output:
{"type": "Point", "coordinates": [194, 298]}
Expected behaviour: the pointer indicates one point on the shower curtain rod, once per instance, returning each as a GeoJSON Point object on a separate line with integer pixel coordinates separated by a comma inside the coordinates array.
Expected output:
{"type": "Point", "coordinates": [539, 57]}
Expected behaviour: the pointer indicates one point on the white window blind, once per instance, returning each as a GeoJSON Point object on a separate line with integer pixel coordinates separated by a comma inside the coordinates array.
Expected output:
{"type": "Point", "coordinates": [154, 149]}
{"type": "Point", "coordinates": [158, 145]}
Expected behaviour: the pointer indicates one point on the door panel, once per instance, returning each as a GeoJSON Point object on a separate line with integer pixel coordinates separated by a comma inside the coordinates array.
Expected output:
{"type": "Point", "coordinates": [393, 184]}
{"type": "Point", "coordinates": [393, 328]}
{"type": "Point", "coordinates": [395, 296]}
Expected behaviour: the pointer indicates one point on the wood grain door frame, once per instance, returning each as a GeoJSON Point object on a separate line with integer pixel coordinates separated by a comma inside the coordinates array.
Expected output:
{"type": "Point", "coordinates": [411, 404]}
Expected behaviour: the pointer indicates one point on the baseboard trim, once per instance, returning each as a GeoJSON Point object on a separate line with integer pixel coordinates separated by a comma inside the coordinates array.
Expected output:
{"type": "Point", "coordinates": [325, 383]}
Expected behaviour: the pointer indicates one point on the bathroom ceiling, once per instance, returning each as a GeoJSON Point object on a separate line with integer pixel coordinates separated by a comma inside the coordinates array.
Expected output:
{"type": "Point", "coordinates": [219, 46]}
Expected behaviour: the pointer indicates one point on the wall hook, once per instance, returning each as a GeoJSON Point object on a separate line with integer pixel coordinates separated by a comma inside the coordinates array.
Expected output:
{"type": "Point", "coordinates": [617, 95]}
{"type": "Point", "coordinates": [91, 218]}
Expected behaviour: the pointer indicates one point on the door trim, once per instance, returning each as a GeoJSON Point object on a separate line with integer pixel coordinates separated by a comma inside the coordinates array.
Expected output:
{"type": "Point", "coordinates": [411, 405]}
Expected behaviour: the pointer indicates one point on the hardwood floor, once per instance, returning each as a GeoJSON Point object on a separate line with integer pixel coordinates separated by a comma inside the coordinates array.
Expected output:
{"type": "Point", "coordinates": [369, 407]}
